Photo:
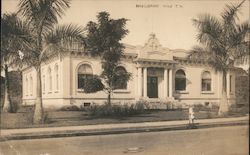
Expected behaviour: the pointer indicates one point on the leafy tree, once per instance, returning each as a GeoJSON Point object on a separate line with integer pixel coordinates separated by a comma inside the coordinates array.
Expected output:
{"type": "Point", "coordinates": [223, 41]}
{"type": "Point", "coordinates": [103, 39]}
{"type": "Point", "coordinates": [14, 37]}
{"type": "Point", "coordinates": [49, 39]}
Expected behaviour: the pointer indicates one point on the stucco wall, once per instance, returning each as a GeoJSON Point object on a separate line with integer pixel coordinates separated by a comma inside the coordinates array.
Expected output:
{"type": "Point", "coordinates": [79, 97]}
{"type": "Point", "coordinates": [29, 89]}
{"type": "Point", "coordinates": [193, 93]}
{"type": "Point", "coordinates": [67, 93]}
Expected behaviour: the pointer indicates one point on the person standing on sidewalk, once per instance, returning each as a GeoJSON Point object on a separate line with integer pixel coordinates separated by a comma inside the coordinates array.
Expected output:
{"type": "Point", "coordinates": [191, 114]}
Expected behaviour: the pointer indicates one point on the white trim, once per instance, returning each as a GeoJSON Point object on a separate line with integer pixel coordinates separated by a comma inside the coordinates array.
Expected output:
{"type": "Point", "coordinates": [207, 92]}
{"type": "Point", "coordinates": [181, 92]}
{"type": "Point", "coordinates": [121, 91]}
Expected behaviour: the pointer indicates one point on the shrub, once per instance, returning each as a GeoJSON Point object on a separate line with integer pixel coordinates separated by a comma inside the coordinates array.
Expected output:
{"type": "Point", "coordinates": [70, 108]}
{"type": "Point", "coordinates": [236, 109]}
{"type": "Point", "coordinates": [215, 107]}
{"type": "Point", "coordinates": [208, 107]}
{"type": "Point", "coordinates": [175, 105]}
{"type": "Point", "coordinates": [118, 110]}
{"type": "Point", "coordinates": [201, 107]}
{"type": "Point", "coordinates": [145, 103]}
{"type": "Point", "coordinates": [92, 84]}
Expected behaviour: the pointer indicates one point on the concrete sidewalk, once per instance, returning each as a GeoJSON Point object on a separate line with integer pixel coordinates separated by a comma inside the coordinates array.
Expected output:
{"type": "Point", "coordinates": [101, 129]}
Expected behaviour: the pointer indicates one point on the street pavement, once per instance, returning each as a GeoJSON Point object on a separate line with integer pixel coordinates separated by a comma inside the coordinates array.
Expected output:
{"type": "Point", "coordinates": [232, 140]}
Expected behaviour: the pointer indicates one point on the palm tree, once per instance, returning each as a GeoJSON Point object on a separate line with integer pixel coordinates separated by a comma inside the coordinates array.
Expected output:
{"type": "Point", "coordinates": [14, 37]}
{"type": "Point", "coordinates": [223, 41]}
{"type": "Point", "coordinates": [42, 17]}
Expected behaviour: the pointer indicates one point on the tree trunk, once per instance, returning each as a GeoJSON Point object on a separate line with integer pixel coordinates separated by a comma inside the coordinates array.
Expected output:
{"type": "Point", "coordinates": [7, 107]}
{"type": "Point", "coordinates": [109, 98]}
{"type": "Point", "coordinates": [38, 114]}
{"type": "Point", "coordinates": [223, 110]}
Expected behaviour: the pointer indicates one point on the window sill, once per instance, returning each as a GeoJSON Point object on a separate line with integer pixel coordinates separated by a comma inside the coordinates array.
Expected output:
{"type": "Point", "coordinates": [181, 92]}
{"type": "Point", "coordinates": [207, 92]}
{"type": "Point", "coordinates": [121, 91]}
{"type": "Point", "coordinates": [80, 91]}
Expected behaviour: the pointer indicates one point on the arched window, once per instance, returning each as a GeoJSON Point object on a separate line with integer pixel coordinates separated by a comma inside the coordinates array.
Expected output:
{"type": "Point", "coordinates": [180, 80]}
{"type": "Point", "coordinates": [120, 83]}
{"type": "Point", "coordinates": [50, 79]}
{"type": "Point", "coordinates": [31, 85]}
{"type": "Point", "coordinates": [206, 81]}
{"type": "Point", "coordinates": [84, 72]}
{"type": "Point", "coordinates": [56, 77]}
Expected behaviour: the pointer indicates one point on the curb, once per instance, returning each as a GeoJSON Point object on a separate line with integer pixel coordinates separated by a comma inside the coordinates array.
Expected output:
{"type": "Point", "coordinates": [70, 133]}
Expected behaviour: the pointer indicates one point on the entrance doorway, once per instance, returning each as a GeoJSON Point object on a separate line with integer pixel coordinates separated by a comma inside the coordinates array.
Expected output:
{"type": "Point", "coordinates": [152, 86]}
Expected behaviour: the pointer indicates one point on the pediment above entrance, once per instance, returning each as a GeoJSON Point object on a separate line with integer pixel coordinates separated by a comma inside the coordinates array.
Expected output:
{"type": "Point", "coordinates": [154, 50]}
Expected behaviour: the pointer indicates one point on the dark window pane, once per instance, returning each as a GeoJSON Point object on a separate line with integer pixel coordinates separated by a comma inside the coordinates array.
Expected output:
{"type": "Point", "coordinates": [180, 80]}
{"type": "Point", "coordinates": [119, 83]}
{"type": "Point", "coordinates": [180, 84]}
{"type": "Point", "coordinates": [206, 84]}
{"type": "Point", "coordinates": [82, 78]}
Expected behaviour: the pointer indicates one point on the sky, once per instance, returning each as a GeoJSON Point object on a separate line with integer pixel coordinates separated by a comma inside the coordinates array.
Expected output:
{"type": "Point", "coordinates": [170, 20]}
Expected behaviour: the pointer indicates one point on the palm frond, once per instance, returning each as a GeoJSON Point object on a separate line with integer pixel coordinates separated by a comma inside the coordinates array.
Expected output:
{"type": "Point", "coordinates": [206, 55]}
{"type": "Point", "coordinates": [15, 36]}
{"type": "Point", "coordinates": [209, 30]}
{"type": "Point", "coordinates": [230, 16]}
{"type": "Point", "coordinates": [199, 53]}
{"type": "Point", "coordinates": [64, 38]}
{"type": "Point", "coordinates": [43, 13]}
{"type": "Point", "coordinates": [230, 13]}
{"type": "Point", "coordinates": [239, 35]}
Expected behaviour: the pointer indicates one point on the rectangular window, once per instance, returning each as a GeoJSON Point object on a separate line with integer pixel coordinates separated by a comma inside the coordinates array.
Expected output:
{"type": "Point", "coordinates": [180, 84]}
{"type": "Point", "coordinates": [27, 87]}
{"type": "Point", "coordinates": [206, 84]}
{"type": "Point", "coordinates": [50, 83]}
{"type": "Point", "coordinates": [230, 83]}
{"type": "Point", "coordinates": [82, 78]}
{"type": "Point", "coordinates": [31, 86]}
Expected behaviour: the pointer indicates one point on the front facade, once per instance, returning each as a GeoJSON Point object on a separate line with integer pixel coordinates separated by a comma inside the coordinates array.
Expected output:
{"type": "Point", "coordinates": [158, 75]}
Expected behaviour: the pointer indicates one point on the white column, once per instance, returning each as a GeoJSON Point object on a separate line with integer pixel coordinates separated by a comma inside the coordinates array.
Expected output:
{"type": "Point", "coordinates": [170, 83]}
{"type": "Point", "coordinates": [139, 82]}
{"type": "Point", "coordinates": [228, 84]}
{"type": "Point", "coordinates": [145, 90]}
{"type": "Point", "coordinates": [165, 95]}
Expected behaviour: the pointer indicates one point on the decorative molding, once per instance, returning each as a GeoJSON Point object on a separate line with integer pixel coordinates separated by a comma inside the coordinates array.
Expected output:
{"type": "Point", "coordinates": [207, 92]}
{"type": "Point", "coordinates": [125, 91]}
{"type": "Point", "coordinates": [152, 44]}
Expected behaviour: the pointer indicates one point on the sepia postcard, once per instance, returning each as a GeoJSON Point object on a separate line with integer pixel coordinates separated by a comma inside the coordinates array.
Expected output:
{"type": "Point", "coordinates": [109, 77]}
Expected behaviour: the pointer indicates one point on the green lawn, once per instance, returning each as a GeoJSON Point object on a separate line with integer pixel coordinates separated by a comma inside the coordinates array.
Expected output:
{"type": "Point", "coordinates": [23, 118]}
{"type": "Point", "coordinates": [71, 118]}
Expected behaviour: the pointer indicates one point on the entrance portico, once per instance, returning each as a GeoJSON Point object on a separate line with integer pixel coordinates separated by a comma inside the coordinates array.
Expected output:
{"type": "Point", "coordinates": [154, 67]}
{"type": "Point", "coordinates": [155, 79]}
